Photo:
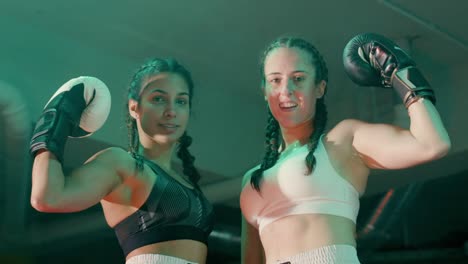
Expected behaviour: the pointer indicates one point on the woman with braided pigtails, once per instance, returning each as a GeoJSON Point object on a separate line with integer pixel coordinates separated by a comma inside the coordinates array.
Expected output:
{"type": "Point", "coordinates": [300, 204]}
{"type": "Point", "coordinates": [158, 214]}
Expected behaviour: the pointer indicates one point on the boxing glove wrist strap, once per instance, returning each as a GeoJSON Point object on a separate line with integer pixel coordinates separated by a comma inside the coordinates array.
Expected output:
{"type": "Point", "coordinates": [411, 85]}
{"type": "Point", "coordinates": [51, 133]}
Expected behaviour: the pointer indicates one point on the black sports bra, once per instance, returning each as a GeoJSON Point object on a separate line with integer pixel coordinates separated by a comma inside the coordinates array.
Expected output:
{"type": "Point", "coordinates": [171, 212]}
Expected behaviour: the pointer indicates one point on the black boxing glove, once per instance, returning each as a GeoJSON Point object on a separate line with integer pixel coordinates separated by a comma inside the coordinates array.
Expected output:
{"type": "Point", "coordinates": [77, 109]}
{"type": "Point", "coordinates": [373, 60]}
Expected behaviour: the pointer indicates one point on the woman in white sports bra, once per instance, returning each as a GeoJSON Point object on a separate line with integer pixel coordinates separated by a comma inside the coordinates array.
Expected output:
{"type": "Point", "coordinates": [300, 204]}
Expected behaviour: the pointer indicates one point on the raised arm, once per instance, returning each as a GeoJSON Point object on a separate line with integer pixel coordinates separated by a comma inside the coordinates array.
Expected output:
{"type": "Point", "coordinates": [78, 108]}
{"type": "Point", "coordinates": [52, 191]}
{"type": "Point", "coordinates": [373, 60]}
{"type": "Point", "coordinates": [383, 146]}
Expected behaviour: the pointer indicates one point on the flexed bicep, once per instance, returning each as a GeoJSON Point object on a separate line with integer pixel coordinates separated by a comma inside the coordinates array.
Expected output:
{"type": "Point", "coordinates": [383, 146]}
{"type": "Point", "coordinates": [373, 60]}
{"type": "Point", "coordinates": [84, 187]}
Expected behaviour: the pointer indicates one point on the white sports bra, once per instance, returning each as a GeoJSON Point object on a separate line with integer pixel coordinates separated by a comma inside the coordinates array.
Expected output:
{"type": "Point", "coordinates": [287, 190]}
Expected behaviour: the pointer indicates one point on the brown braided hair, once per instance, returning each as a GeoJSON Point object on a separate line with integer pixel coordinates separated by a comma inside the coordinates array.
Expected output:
{"type": "Point", "coordinates": [153, 67]}
{"type": "Point", "coordinates": [273, 129]}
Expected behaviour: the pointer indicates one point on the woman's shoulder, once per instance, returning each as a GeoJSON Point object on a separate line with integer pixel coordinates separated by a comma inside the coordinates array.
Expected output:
{"type": "Point", "coordinates": [112, 152]}
{"type": "Point", "coordinates": [114, 156]}
{"type": "Point", "coordinates": [345, 128]}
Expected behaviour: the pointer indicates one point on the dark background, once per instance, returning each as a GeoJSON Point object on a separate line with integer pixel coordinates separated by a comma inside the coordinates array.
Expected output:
{"type": "Point", "coordinates": [45, 43]}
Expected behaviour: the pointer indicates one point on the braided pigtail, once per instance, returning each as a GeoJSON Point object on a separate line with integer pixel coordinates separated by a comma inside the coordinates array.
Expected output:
{"type": "Point", "coordinates": [271, 151]}
{"type": "Point", "coordinates": [320, 123]}
{"type": "Point", "coordinates": [187, 159]}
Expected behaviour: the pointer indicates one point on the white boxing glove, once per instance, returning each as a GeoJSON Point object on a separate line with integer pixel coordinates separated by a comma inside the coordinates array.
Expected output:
{"type": "Point", "coordinates": [77, 109]}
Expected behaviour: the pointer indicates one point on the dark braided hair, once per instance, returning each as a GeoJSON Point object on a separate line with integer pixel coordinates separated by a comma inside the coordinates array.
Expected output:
{"type": "Point", "coordinates": [153, 67]}
{"type": "Point", "coordinates": [188, 168]}
{"type": "Point", "coordinates": [273, 128]}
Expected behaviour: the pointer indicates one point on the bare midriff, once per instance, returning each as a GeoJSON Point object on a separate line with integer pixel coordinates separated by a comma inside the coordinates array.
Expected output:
{"type": "Point", "coordinates": [295, 234]}
{"type": "Point", "coordinates": [190, 250]}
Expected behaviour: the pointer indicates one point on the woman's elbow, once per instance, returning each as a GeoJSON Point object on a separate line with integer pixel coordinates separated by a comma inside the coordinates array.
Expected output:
{"type": "Point", "coordinates": [39, 205]}
{"type": "Point", "coordinates": [440, 149]}
{"type": "Point", "coordinates": [43, 205]}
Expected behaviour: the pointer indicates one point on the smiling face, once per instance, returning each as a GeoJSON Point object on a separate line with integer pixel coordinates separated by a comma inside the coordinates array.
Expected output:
{"type": "Point", "coordinates": [290, 86]}
{"type": "Point", "coordinates": [163, 110]}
